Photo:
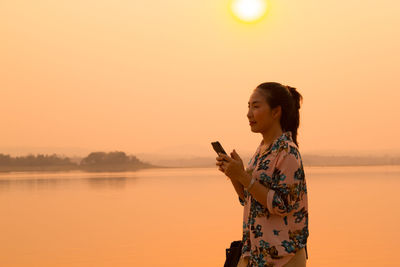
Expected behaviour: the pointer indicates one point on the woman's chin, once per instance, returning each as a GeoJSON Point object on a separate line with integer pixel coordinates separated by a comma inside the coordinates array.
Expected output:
{"type": "Point", "coordinates": [253, 129]}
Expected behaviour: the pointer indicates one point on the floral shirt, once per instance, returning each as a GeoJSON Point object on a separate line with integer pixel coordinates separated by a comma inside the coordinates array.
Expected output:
{"type": "Point", "coordinates": [273, 234]}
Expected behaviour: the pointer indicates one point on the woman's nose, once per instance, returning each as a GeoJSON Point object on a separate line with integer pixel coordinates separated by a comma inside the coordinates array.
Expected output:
{"type": "Point", "coordinates": [249, 114]}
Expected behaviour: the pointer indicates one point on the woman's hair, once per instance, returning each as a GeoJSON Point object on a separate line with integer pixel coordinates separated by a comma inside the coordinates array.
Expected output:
{"type": "Point", "coordinates": [289, 99]}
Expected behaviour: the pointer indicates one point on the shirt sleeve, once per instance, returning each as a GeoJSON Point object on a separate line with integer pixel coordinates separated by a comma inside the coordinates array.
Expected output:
{"type": "Point", "coordinates": [287, 184]}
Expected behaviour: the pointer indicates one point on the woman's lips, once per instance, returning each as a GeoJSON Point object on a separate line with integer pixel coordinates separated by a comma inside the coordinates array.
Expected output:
{"type": "Point", "coordinates": [252, 122]}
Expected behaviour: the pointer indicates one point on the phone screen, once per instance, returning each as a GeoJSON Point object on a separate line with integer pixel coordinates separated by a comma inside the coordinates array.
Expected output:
{"type": "Point", "coordinates": [218, 147]}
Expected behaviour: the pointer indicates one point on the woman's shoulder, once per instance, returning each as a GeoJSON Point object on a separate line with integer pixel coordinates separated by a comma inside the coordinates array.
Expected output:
{"type": "Point", "coordinates": [293, 149]}
{"type": "Point", "coordinates": [285, 143]}
{"type": "Point", "coordinates": [287, 147]}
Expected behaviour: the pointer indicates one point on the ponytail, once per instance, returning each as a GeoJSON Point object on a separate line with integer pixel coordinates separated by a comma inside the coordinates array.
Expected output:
{"type": "Point", "coordinates": [294, 121]}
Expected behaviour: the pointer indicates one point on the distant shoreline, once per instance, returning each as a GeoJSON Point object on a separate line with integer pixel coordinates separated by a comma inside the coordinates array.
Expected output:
{"type": "Point", "coordinates": [308, 160]}
{"type": "Point", "coordinates": [120, 162]}
{"type": "Point", "coordinates": [4, 170]}
{"type": "Point", "coordinates": [99, 161]}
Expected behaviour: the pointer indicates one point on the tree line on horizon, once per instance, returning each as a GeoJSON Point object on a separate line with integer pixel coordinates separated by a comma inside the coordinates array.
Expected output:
{"type": "Point", "coordinates": [95, 161]}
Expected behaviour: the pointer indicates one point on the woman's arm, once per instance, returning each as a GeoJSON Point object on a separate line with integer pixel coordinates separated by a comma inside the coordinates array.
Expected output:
{"type": "Point", "coordinates": [239, 188]}
{"type": "Point", "coordinates": [288, 193]}
{"type": "Point", "coordinates": [241, 178]}
{"type": "Point", "coordinates": [258, 191]}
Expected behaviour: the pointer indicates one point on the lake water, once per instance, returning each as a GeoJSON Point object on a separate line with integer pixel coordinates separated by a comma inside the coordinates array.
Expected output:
{"type": "Point", "coordinates": [186, 217]}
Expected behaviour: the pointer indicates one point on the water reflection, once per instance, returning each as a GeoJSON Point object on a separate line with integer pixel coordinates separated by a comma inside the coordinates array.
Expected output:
{"type": "Point", "coordinates": [113, 183]}
{"type": "Point", "coordinates": [34, 183]}
{"type": "Point", "coordinates": [98, 219]}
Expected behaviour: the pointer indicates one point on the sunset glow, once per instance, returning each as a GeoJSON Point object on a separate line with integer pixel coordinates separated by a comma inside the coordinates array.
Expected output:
{"type": "Point", "coordinates": [249, 10]}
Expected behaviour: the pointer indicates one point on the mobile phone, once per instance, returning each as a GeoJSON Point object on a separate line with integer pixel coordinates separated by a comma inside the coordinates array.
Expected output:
{"type": "Point", "coordinates": [218, 148]}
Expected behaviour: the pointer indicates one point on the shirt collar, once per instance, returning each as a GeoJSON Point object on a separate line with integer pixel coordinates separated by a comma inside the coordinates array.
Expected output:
{"type": "Point", "coordinates": [285, 136]}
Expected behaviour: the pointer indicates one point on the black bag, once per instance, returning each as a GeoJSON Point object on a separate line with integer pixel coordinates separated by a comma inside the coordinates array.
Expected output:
{"type": "Point", "coordinates": [233, 254]}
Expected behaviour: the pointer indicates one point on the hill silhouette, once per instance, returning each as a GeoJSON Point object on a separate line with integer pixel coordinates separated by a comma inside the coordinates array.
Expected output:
{"type": "Point", "coordinates": [94, 162]}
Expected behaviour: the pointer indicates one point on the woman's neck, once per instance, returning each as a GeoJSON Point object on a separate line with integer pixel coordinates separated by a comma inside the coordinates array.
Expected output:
{"type": "Point", "coordinates": [271, 135]}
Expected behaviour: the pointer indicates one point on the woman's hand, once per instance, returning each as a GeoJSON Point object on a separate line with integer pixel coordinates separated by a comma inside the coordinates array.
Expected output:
{"type": "Point", "coordinates": [232, 166]}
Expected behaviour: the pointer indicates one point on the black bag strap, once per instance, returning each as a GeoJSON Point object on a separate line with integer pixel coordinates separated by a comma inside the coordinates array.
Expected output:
{"type": "Point", "coordinates": [233, 254]}
{"type": "Point", "coordinates": [306, 253]}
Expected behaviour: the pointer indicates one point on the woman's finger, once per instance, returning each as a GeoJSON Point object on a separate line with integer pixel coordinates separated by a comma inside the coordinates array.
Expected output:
{"type": "Point", "coordinates": [224, 157]}
{"type": "Point", "coordinates": [222, 165]}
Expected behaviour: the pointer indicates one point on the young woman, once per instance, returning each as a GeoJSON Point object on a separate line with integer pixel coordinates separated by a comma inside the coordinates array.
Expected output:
{"type": "Point", "coordinates": [272, 188]}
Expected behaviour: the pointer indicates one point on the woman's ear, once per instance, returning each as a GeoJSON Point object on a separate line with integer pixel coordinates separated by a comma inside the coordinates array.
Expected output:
{"type": "Point", "coordinates": [277, 112]}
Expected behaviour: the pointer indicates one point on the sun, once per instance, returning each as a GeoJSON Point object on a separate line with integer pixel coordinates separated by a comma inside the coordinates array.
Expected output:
{"type": "Point", "coordinates": [248, 10]}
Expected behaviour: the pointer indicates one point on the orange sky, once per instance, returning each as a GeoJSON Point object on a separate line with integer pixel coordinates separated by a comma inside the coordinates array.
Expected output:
{"type": "Point", "coordinates": [159, 76]}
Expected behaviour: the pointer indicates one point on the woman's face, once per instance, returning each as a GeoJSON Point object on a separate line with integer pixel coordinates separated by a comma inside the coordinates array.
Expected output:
{"type": "Point", "coordinates": [261, 116]}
